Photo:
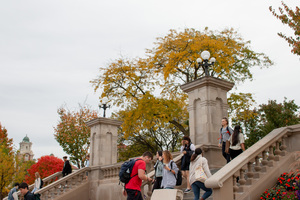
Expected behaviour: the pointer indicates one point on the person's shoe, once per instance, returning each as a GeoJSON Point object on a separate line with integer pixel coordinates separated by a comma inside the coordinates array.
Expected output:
{"type": "Point", "coordinates": [187, 190]}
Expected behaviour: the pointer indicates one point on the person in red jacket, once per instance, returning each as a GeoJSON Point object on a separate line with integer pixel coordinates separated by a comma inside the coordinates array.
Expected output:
{"type": "Point", "coordinates": [138, 174]}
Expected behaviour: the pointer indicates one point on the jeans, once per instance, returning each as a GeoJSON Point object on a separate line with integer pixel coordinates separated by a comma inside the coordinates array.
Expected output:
{"type": "Point", "coordinates": [226, 155]}
{"type": "Point", "coordinates": [196, 189]}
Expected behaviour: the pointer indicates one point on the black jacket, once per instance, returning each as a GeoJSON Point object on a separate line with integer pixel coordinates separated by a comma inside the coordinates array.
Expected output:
{"type": "Point", "coordinates": [67, 168]}
{"type": "Point", "coordinates": [29, 196]}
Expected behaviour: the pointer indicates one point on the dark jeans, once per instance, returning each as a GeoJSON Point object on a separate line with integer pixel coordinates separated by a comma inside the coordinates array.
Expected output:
{"type": "Point", "coordinates": [235, 153]}
{"type": "Point", "coordinates": [226, 155]}
{"type": "Point", "coordinates": [196, 189]}
{"type": "Point", "coordinates": [134, 194]}
{"type": "Point", "coordinates": [157, 183]}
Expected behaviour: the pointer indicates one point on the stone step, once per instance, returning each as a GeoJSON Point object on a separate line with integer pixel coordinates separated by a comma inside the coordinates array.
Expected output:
{"type": "Point", "coordinates": [190, 195]}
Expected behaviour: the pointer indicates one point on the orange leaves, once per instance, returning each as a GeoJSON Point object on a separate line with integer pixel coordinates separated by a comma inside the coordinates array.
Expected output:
{"type": "Point", "coordinates": [292, 19]}
{"type": "Point", "coordinates": [73, 134]}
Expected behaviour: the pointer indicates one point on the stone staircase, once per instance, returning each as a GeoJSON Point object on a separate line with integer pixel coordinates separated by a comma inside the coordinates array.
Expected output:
{"type": "Point", "coordinates": [258, 168]}
{"type": "Point", "coordinates": [190, 196]}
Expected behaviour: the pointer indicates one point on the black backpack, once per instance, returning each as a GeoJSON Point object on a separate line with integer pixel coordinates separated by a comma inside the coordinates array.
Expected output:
{"type": "Point", "coordinates": [179, 175]}
{"type": "Point", "coordinates": [42, 183]}
{"type": "Point", "coordinates": [125, 171]}
{"type": "Point", "coordinates": [37, 197]}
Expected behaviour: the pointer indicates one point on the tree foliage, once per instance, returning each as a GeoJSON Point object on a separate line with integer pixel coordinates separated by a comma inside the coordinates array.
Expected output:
{"type": "Point", "coordinates": [73, 134]}
{"type": "Point", "coordinates": [259, 122]}
{"type": "Point", "coordinates": [291, 18]}
{"type": "Point", "coordinates": [7, 163]}
{"type": "Point", "coordinates": [21, 169]}
{"type": "Point", "coordinates": [46, 166]}
{"type": "Point", "coordinates": [147, 89]}
{"type": "Point", "coordinates": [175, 56]}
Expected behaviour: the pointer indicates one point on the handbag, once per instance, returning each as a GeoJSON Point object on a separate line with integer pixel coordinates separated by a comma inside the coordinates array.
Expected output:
{"type": "Point", "coordinates": [200, 174]}
{"type": "Point", "coordinates": [227, 146]}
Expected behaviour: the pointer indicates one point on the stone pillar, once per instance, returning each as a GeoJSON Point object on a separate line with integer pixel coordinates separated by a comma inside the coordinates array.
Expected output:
{"type": "Point", "coordinates": [104, 134]}
{"type": "Point", "coordinates": [207, 106]}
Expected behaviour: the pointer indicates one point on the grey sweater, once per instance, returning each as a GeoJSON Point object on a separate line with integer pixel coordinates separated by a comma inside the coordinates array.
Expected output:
{"type": "Point", "coordinates": [169, 179]}
{"type": "Point", "coordinates": [224, 135]}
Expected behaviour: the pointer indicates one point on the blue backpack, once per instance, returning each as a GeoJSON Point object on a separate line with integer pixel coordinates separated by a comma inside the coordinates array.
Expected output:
{"type": "Point", "coordinates": [126, 169]}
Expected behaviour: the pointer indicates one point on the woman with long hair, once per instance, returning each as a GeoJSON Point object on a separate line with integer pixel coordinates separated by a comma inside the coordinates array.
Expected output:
{"type": "Point", "coordinates": [187, 148]}
{"type": "Point", "coordinates": [37, 182]}
{"type": "Point", "coordinates": [198, 160]}
{"type": "Point", "coordinates": [159, 167]}
{"type": "Point", "coordinates": [225, 133]}
{"type": "Point", "coordinates": [237, 142]}
{"type": "Point", "coordinates": [169, 172]}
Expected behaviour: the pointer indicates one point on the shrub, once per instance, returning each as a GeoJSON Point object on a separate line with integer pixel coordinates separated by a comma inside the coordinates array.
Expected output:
{"type": "Point", "coordinates": [286, 188]}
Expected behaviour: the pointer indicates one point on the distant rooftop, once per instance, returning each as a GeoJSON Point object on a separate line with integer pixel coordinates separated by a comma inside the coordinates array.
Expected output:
{"type": "Point", "coordinates": [26, 139]}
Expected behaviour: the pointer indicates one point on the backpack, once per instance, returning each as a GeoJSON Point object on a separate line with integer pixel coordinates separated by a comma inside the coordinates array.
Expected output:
{"type": "Point", "coordinates": [126, 169]}
{"type": "Point", "coordinates": [42, 183]}
{"type": "Point", "coordinates": [37, 196]}
{"type": "Point", "coordinates": [227, 131]}
{"type": "Point", "coordinates": [179, 175]}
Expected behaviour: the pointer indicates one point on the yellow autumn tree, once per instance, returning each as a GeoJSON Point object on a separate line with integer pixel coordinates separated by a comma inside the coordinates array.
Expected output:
{"type": "Point", "coordinates": [73, 134]}
{"type": "Point", "coordinates": [7, 163]}
{"type": "Point", "coordinates": [147, 89]}
{"type": "Point", "coordinates": [174, 56]}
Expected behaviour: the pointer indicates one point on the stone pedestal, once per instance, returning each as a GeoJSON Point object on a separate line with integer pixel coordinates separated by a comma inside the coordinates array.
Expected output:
{"type": "Point", "coordinates": [207, 106]}
{"type": "Point", "coordinates": [104, 135]}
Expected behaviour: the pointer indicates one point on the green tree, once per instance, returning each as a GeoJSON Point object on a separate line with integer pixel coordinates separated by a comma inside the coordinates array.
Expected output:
{"type": "Point", "coordinates": [21, 168]}
{"type": "Point", "coordinates": [291, 18]}
{"type": "Point", "coordinates": [73, 134]}
{"type": "Point", "coordinates": [271, 116]}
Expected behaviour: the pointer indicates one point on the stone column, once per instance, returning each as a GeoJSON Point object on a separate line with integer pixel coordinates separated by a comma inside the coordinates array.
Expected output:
{"type": "Point", "coordinates": [207, 106]}
{"type": "Point", "coordinates": [104, 134]}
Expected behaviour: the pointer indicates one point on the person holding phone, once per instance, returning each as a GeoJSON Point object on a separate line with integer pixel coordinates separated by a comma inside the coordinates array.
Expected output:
{"type": "Point", "coordinates": [170, 171]}
{"type": "Point", "coordinates": [187, 149]}
{"type": "Point", "coordinates": [159, 166]}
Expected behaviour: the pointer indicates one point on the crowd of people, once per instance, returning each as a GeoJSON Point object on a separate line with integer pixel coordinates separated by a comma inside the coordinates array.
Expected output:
{"type": "Point", "coordinates": [166, 170]}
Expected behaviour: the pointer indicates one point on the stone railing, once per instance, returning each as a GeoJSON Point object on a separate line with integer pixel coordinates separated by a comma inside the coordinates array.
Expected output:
{"type": "Point", "coordinates": [258, 167]}
{"type": "Point", "coordinates": [48, 180]}
{"type": "Point", "coordinates": [64, 184]}
{"type": "Point", "coordinates": [110, 171]}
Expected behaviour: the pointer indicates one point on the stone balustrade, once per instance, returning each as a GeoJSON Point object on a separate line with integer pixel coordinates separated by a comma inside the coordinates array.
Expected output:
{"type": "Point", "coordinates": [111, 171]}
{"type": "Point", "coordinates": [48, 180]}
{"type": "Point", "coordinates": [258, 167]}
{"type": "Point", "coordinates": [64, 184]}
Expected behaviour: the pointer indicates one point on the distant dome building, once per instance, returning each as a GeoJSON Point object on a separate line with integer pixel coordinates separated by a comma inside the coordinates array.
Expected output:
{"type": "Point", "coordinates": [25, 151]}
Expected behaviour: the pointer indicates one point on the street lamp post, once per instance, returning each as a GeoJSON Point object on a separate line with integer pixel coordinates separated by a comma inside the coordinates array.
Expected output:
{"type": "Point", "coordinates": [104, 105]}
{"type": "Point", "coordinates": [206, 63]}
